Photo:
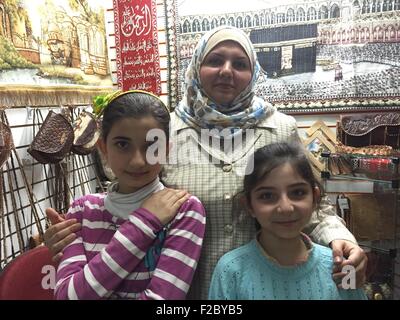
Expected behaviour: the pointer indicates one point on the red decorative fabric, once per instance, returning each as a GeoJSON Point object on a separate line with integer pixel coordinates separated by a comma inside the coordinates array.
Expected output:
{"type": "Point", "coordinates": [23, 279]}
{"type": "Point", "coordinates": [136, 43]}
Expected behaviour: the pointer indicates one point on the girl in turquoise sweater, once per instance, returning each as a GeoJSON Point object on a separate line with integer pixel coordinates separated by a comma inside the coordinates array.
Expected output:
{"type": "Point", "coordinates": [281, 262]}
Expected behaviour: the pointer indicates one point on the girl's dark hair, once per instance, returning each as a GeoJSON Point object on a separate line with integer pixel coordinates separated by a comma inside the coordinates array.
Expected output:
{"type": "Point", "coordinates": [273, 155]}
{"type": "Point", "coordinates": [136, 105]}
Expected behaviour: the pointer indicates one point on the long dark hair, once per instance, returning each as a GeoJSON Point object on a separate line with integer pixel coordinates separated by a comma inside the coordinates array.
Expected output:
{"type": "Point", "coordinates": [136, 105]}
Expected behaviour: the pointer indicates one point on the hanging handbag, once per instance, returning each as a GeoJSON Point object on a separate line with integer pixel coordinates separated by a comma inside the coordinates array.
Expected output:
{"type": "Point", "coordinates": [86, 133]}
{"type": "Point", "coordinates": [369, 129]}
{"type": "Point", "coordinates": [54, 139]}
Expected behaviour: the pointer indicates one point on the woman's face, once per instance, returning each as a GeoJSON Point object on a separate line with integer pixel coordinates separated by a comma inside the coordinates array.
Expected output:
{"type": "Point", "coordinates": [225, 72]}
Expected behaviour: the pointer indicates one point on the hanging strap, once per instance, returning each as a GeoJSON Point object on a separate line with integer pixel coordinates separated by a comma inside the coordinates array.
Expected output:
{"type": "Point", "coordinates": [18, 229]}
{"type": "Point", "coordinates": [7, 217]}
{"type": "Point", "coordinates": [13, 170]}
{"type": "Point", "coordinates": [30, 194]}
{"type": "Point", "coordinates": [3, 225]}
{"type": "Point", "coordinates": [150, 259]}
{"type": "Point", "coordinates": [38, 114]}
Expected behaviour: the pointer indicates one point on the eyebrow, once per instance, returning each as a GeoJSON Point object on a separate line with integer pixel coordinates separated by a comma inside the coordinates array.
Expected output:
{"type": "Point", "coordinates": [121, 138]}
{"type": "Point", "coordinates": [222, 55]}
{"type": "Point", "coordinates": [299, 184]}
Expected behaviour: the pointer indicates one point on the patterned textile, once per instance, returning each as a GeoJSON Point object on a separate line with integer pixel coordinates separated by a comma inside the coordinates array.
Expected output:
{"type": "Point", "coordinates": [199, 111]}
{"type": "Point", "coordinates": [136, 39]}
{"type": "Point", "coordinates": [247, 274]}
{"type": "Point", "coordinates": [216, 181]}
{"type": "Point", "coordinates": [107, 259]}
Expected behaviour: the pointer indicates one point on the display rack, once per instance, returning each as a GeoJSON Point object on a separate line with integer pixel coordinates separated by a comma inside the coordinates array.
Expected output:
{"type": "Point", "coordinates": [366, 192]}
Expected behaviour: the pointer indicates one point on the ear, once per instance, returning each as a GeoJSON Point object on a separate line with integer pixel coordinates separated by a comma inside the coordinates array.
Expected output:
{"type": "Point", "coordinates": [316, 196]}
{"type": "Point", "coordinates": [102, 146]}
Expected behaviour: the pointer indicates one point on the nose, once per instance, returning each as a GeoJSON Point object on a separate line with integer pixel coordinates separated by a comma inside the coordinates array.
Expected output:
{"type": "Point", "coordinates": [285, 205]}
{"type": "Point", "coordinates": [138, 159]}
{"type": "Point", "coordinates": [226, 69]}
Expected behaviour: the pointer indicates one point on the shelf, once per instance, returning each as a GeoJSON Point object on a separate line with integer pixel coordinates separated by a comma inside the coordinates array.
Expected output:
{"type": "Point", "coordinates": [368, 197]}
{"type": "Point", "coordinates": [339, 185]}
{"type": "Point", "coordinates": [360, 178]}
{"type": "Point", "coordinates": [382, 246]}
{"type": "Point", "coordinates": [382, 169]}
{"type": "Point", "coordinates": [368, 156]}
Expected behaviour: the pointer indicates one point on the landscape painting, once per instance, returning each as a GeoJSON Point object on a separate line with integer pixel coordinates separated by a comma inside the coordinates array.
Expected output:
{"type": "Point", "coordinates": [50, 42]}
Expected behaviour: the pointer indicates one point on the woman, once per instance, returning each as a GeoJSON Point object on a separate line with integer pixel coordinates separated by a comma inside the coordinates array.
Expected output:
{"type": "Point", "coordinates": [215, 129]}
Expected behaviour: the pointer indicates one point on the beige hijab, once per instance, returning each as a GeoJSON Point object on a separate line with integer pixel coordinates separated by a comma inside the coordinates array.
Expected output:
{"type": "Point", "coordinates": [199, 111]}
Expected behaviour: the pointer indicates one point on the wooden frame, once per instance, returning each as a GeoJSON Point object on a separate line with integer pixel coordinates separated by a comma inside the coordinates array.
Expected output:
{"type": "Point", "coordinates": [315, 149]}
{"type": "Point", "coordinates": [321, 126]}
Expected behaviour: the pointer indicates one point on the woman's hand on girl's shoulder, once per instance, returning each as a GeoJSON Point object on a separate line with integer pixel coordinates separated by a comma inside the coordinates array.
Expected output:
{"type": "Point", "coordinates": [60, 234]}
{"type": "Point", "coordinates": [164, 204]}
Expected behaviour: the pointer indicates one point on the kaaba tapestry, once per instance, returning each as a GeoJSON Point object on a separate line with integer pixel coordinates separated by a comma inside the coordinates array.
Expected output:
{"type": "Point", "coordinates": [316, 56]}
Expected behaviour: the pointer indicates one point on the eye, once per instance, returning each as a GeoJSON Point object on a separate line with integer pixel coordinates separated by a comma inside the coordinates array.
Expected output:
{"type": "Point", "coordinates": [266, 196]}
{"type": "Point", "coordinates": [299, 193]}
{"type": "Point", "coordinates": [213, 61]}
{"type": "Point", "coordinates": [240, 65]}
{"type": "Point", "coordinates": [123, 145]}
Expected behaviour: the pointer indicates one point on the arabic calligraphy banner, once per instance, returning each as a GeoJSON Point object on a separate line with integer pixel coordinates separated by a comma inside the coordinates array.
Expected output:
{"type": "Point", "coordinates": [136, 40]}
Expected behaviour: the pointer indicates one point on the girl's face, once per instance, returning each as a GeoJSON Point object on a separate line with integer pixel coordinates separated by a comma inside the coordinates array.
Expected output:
{"type": "Point", "coordinates": [283, 203]}
{"type": "Point", "coordinates": [125, 151]}
{"type": "Point", "coordinates": [225, 72]}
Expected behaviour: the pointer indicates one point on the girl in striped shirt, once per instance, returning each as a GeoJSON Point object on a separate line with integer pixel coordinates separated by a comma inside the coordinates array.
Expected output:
{"type": "Point", "coordinates": [139, 240]}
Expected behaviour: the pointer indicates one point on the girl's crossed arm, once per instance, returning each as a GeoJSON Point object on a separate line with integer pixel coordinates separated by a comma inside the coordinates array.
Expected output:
{"type": "Point", "coordinates": [180, 253]}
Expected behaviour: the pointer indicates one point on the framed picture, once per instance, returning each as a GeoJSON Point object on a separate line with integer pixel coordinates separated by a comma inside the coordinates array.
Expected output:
{"type": "Point", "coordinates": [316, 56]}
{"type": "Point", "coordinates": [52, 52]}
{"type": "Point", "coordinates": [315, 145]}
{"type": "Point", "coordinates": [321, 126]}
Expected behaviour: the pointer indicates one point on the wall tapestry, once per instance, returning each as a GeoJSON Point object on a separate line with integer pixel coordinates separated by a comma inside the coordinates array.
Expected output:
{"type": "Point", "coordinates": [136, 42]}
{"type": "Point", "coordinates": [316, 55]}
{"type": "Point", "coordinates": [52, 52]}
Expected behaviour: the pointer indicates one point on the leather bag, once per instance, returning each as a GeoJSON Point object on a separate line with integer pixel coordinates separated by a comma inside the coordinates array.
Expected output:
{"type": "Point", "coordinates": [86, 133]}
{"type": "Point", "coordinates": [54, 139]}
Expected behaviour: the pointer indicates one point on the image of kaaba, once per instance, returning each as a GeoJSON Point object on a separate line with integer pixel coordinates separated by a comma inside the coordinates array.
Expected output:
{"type": "Point", "coordinates": [310, 52]}
{"type": "Point", "coordinates": [287, 49]}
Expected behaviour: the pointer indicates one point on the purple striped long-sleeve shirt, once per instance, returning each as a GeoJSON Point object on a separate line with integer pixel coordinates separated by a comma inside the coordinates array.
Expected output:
{"type": "Point", "coordinates": [106, 260]}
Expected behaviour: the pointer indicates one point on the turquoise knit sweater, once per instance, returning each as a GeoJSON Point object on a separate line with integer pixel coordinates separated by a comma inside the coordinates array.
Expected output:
{"type": "Point", "coordinates": [247, 274]}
